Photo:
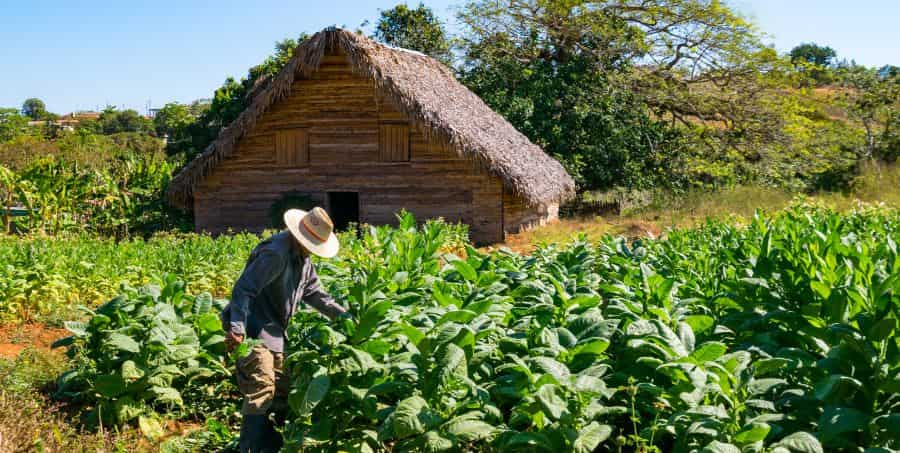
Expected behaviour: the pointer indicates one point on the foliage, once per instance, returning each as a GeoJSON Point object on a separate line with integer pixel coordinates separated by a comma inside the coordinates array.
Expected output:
{"type": "Point", "coordinates": [174, 121]}
{"type": "Point", "coordinates": [49, 276]}
{"type": "Point", "coordinates": [626, 93]}
{"type": "Point", "coordinates": [813, 53]}
{"type": "Point", "coordinates": [414, 29]}
{"type": "Point", "coordinates": [778, 335]}
{"type": "Point", "coordinates": [12, 124]}
{"type": "Point", "coordinates": [146, 350]}
{"type": "Point", "coordinates": [874, 100]}
{"type": "Point", "coordinates": [34, 108]}
{"type": "Point", "coordinates": [105, 184]}
{"type": "Point", "coordinates": [815, 60]}
{"type": "Point", "coordinates": [114, 121]}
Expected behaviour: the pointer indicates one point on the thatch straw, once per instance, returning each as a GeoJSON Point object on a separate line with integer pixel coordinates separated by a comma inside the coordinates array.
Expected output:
{"type": "Point", "coordinates": [425, 91]}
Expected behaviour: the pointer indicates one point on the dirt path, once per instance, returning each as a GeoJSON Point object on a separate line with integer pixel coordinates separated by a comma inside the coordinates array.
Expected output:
{"type": "Point", "coordinates": [16, 337]}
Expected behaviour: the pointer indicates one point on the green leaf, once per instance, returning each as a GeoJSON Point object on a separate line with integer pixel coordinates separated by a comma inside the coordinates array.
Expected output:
{"type": "Point", "coordinates": [202, 304]}
{"type": "Point", "coordinates": [823, 290]}
{"type": "Point", "coordinates": [699, 323]}
{"type": "Point", "coordinates": [755, 432]}
{"type": "Point", "coordinates": [78, 329]}
{"type": "Point", "coordinates": [720, 447]}
{"type": "Point", "coordinates": [802, 442]}
{"type": "Point", "coordinates": [121, 342]}
{"type": "Point", "coordinates": [460, 316]}
{"type": "Point", "coordinates": [127, 409]}
{"type": "Point", "coordinates": [413, 417]}
{"type": "Point", "coordinates": [761, 386]}
{"type": "Point", "coordinates": [468, 430]}
{"type": "Point", "coordinates": [528, 441]}
{"type": "Point", "coordinates": [836, 385]}
{"type": "Point", "coordinates": [590, 437]}
{"type": "Point", "coordinates": [315, 393]}
{"type": "Point", "coordinates": [595, 348]}
{"type": "Point", "coordinates": [109, 385]}
{"type": "Point", "coordinates": [553, 368]}
{"type": "Point", "coordinates": [435, 442]}
{"type": "Point", "coordinates": [370, 319]}
{"type": "Point", "coordinates": [839, 420]}
{"type": "Point", "coordinates": [882, 329]}
{"type": "Point", "coordinates": [709, 351]}
{"type": "Point", "coordinates": [415, 335]}
{"type": "Point", "coordinates": [465, 270]}
{"type": "Point", "coordinates": [765, 366]}
{"type": "Point", "coordinates": [130, 371]}
{"type": "Point", "coordinates": [167, 395]}
{"type": "Point", "coordinates": [552, 404]}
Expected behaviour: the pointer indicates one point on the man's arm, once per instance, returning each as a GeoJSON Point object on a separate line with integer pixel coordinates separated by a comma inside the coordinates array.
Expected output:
{"type": "Point", "coordinates": [315, 296]}
{"type": "Point", "coordinates": [256, 276]}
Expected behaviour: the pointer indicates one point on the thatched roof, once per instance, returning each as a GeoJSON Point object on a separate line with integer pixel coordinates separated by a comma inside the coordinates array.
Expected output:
{"type": "Point", "coordinates": [425, 91]}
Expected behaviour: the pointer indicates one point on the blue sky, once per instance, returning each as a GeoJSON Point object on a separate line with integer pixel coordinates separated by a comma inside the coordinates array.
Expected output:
{"type": "Point", "coordinates": [87, 54]}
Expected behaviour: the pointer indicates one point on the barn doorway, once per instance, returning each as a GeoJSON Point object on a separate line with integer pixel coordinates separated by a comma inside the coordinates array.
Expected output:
{"type": "Point", "coordinates": [343, 207]}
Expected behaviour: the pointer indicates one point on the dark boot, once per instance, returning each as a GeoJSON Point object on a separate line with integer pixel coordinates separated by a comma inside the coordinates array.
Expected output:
{"type": "Point", "coordinates": [258, 435]}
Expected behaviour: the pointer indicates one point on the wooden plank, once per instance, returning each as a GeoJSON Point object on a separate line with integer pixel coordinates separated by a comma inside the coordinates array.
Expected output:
{"type": "Point", "coordinates": [292, 147]}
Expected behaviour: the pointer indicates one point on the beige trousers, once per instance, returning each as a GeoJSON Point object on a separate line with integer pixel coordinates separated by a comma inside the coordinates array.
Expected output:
{"type": "Point", "coordinates": [262, 381]}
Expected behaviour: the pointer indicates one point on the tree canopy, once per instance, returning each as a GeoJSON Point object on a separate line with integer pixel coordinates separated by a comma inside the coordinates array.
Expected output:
{"type": "Point", "coordinates": [813, 53]}
{"type": "Point", "coordinates": [34, 108]}
{"type": "Point", "coordinates": [414, 29]}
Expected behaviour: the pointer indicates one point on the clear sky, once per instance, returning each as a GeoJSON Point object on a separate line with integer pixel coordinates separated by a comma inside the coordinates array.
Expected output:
{"type": "Point", "coordinates": [86, 54]}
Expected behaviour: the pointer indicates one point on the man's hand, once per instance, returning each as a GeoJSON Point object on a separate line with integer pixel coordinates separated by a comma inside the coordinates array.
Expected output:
{"type": "Point", "coordinates": [232, 340]}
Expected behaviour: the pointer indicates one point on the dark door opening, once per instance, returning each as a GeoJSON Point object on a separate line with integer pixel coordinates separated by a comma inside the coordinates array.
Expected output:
{"type": "Point", "coordinates": [343, 207]}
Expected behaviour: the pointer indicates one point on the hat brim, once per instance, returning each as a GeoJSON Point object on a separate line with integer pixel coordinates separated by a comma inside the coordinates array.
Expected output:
{"type": "Point", "coordinates": [326, 249]}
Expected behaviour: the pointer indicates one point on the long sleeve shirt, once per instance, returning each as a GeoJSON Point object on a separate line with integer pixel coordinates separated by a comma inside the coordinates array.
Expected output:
{"type": "Point", "coordinates": [267, 294]}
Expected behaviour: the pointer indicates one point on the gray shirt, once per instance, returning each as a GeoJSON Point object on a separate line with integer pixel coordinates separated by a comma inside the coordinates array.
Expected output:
{"type": "Point", "coordinates": [276, 278]}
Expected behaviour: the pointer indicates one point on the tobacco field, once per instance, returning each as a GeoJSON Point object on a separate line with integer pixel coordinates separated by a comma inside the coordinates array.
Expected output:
{"type": "Point", "coordinates": [779, 336]}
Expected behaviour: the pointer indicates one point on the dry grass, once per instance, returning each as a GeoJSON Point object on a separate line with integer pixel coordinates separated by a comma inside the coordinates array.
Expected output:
{"type": "Point", "coordinates": [30, 421]}
{"type": "Point", "coordinates": [874, 185]}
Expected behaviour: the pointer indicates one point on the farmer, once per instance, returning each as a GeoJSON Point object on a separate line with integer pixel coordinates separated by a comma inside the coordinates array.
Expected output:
{"type": "Point", "coordinates": [278, 275]}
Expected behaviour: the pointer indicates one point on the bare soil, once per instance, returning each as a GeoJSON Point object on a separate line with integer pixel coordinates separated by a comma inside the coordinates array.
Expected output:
{"type": "Point", "coordinates": [14, 337]}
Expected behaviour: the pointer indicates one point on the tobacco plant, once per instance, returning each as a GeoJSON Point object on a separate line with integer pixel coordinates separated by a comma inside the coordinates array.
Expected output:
{"type": "Point", "coordinates": [153, 349]}
{"type": "Point", "coordinates": [776, 336]}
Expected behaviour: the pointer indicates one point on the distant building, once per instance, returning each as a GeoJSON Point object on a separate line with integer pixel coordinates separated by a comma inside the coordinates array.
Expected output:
{"type": "Point", "coordinates": [67, 122]}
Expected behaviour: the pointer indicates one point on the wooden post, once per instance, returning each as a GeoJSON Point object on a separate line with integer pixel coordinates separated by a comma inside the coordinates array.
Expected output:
{"type": "Point", "coordinates": [7, 206]}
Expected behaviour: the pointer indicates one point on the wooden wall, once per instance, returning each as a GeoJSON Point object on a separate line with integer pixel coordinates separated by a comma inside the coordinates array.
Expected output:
{"type": "Point", "coordinates": [519, 217]}
{"type": "Point", "coordinates": [343, 118]}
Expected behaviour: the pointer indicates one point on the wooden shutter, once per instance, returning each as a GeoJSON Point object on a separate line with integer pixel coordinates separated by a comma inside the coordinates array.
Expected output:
{"type": "Point", "coordinates": [292, 147]}
{"type": "Point", "coordinates": [393, 143]}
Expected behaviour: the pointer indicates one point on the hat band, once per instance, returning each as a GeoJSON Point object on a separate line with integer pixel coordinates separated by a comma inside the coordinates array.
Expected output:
{"type": "Point", "coordinates": [310, 231]}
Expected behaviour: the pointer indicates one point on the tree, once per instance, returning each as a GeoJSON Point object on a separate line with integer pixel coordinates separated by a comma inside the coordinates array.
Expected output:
{"type": "Point", "coordinates": [623, 83]}
{"type": "Point", "coordinates": [174, 122]}
{"type": "Point", "coordinates": [872, 97]}
{"type": "Point", "coordinates": [814, 61]}
{"type": "Point", "coordinates": [414, 29]}
{"type": "Point", "coordinates": [34, 108]}
{"type": "Point", "coordinates": [114, 121]}
{"type": "Point", "coordinates": [12, 124]}
{"type": "Point", "coordinates": [813, 53]}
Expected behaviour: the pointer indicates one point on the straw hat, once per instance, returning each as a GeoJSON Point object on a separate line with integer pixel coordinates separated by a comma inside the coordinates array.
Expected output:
{"type": "Point", "coordinates": [314, 230]}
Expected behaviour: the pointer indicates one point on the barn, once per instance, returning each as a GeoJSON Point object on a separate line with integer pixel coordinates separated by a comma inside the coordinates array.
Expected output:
{"type": "Point", "coordinates": [366, 130]}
